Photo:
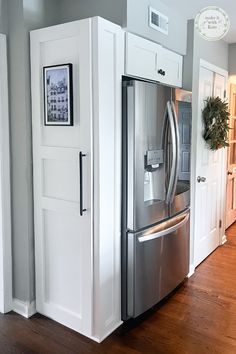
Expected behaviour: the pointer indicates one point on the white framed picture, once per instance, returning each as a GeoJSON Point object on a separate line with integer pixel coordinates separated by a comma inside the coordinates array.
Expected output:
{"type": "Point", "coordinates": [58, 95]}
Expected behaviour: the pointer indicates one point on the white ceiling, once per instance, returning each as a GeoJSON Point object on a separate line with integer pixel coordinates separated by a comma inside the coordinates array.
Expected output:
{"type": "Point", "coordinates": [189, 8]}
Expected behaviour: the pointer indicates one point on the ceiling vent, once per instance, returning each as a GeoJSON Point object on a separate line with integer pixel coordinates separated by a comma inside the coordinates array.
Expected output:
{"type": "Point", "coordinates": [158, 21]}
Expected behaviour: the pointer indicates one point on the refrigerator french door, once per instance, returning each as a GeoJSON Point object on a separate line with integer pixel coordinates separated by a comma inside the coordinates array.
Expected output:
{"type": "Point", "coordinates": [155, 208]}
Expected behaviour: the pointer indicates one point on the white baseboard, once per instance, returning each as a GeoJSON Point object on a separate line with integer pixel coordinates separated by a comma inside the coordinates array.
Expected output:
{"type": "Point", "coordinates": [191, 270]}
{"type": "Point", "coordinates": [26, 309]}
{"type": "Point", "coordinates": [5, 300]}
{"type": "Point", "coordinates": [1, 301]}
{"type": "Point", "coordinates": [224, 240]}
{"type": "Point", "coordinates": [112, 329]}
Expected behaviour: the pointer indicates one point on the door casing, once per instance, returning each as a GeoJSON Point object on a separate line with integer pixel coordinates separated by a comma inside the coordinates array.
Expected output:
{"type": "Point", "coordinates": [231, 167]}
{"type": "Point", "coordinates": [5, 195]}
{"type": "Point", "coordinates": [196, 102]}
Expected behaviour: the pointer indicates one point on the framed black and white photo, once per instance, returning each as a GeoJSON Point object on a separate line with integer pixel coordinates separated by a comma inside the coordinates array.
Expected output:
{"type": "Point", "coordinates": [58, 95]}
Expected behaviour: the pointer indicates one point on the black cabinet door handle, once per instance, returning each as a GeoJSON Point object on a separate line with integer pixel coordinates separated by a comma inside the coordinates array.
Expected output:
{"type": "Point", "coordinates": [161, 72]}
{"type": "Point", "coordinates": [81, 155]}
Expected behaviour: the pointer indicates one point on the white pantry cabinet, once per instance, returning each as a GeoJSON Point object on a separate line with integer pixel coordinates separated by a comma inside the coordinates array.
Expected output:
{"type": "Point", "coordinates": [149, 60]}
{"type": "Point", "coordinates": [78, 256]}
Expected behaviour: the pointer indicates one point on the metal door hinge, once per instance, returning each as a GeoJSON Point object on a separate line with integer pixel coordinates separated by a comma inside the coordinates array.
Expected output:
{"type": "Point", "coordinates": [224, 93]}
{"type": "Point", "coordinates": [220, 224]}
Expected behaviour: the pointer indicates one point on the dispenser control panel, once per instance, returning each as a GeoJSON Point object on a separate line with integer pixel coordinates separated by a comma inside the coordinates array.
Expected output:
{"type": "Point", "coordinates": [154, 157]}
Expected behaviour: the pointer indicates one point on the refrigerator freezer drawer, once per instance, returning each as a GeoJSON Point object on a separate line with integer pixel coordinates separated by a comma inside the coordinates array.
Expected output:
{"type": "Point", "coordinates": [158, 261]}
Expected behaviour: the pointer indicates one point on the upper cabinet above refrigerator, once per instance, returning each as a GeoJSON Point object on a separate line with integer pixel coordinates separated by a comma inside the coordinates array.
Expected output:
{"type": "Point", "coordinates": [170, 65]}
{"type": "Point", "coordinates": [141, 57]}
{"type": "Point", "coordinates": [149, 60]}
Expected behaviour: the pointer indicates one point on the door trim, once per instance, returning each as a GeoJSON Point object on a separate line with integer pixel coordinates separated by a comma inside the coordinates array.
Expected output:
{"type": "Point", "coordinates": [228, 217]}
{"type": "Point", "coordinates": [195, 106]}
{"type": "Point", "coordinates": [5, 196]}
{"type": "Point", "coordinates": [205, 64]}
{"type": "Point", "coordinates": [220, 71]}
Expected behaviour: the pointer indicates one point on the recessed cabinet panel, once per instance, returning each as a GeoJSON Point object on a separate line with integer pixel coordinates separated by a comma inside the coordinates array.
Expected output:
{"type": "Point", "coordinates": [142, 57]}
{"type": "Point", "coordinates": [62, 265]}
{"type": "Point", "coordinates": [64, 136]}
{"type": "Point", "coordinates": [60, 179]}
{"type": "Point", "coordinates": [170, 68]}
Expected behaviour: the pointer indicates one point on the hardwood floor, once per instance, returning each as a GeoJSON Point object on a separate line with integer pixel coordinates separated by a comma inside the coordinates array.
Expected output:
{"type": "Point", "coordinates": [199, 318]}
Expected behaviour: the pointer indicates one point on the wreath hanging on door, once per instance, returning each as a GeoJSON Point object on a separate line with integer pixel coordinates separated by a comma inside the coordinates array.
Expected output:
{"type": "Point", "coordinates": [215, 117]}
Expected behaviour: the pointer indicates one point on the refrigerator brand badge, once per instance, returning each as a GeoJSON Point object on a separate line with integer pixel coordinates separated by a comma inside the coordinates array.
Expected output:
{"type": "Point", "coordinates": [212, 23]}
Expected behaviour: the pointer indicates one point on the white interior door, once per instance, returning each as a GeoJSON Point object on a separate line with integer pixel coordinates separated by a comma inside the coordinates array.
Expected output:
{"type": "Point", "coordinates": [208, 183]}
{"type": "Point", "coordinates": [62, 236]}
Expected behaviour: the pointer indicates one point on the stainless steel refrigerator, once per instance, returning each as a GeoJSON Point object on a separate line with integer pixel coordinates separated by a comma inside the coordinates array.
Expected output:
{"type": "Point", "coordinates": [156, 194]}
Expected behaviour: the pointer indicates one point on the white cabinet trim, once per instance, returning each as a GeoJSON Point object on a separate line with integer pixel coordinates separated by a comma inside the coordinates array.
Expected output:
{"type": "Point", "coordinates": [108, 68]}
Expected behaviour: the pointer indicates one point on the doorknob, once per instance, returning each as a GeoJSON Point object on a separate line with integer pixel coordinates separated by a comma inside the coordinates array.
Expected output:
{"type": "Point", "coordinates": [201, 179]}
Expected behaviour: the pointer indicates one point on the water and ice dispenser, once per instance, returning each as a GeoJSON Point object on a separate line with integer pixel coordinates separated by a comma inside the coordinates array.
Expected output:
{"type": "Point", "coordinates": [154, 172]}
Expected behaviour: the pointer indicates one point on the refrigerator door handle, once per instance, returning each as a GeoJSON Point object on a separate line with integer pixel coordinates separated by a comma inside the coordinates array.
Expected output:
{"type": "Point", "coordinates": [174, 155]}
{"type": "Point", "coordinates": [165, 232]}
{"type": "Point", "coordinates": [177, 151]}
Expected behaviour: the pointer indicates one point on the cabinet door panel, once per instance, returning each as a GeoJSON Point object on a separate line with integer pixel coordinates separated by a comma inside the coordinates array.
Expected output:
{"type": "Point", "coordinates": [171, 63]}
{"type": "Point", "coordinates": [63, 237]}
{"type": "Point", "coordinates": [141, 57]}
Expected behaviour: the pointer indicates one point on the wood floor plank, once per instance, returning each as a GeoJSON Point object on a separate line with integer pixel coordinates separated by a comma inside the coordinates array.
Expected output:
{"type": "Point", "coordinates": [199, 318]}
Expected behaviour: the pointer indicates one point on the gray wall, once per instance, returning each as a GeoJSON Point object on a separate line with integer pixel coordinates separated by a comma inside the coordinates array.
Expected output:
{"type": "Point", "coordinates": [232, 59]}
{"type": "Point", "coordinates": [23, 16]}
{"type": "Point", "coordinates": [112, 10]}
{"type": "Point", "coordinates": [131, 14]}
{"type": "Point", "coordinates": [22, 230]}
{"type": "Point", "coordinates": [188, 59]}
{"type": "Point", "coordinates": [137, 22]}
{"type": "Point", "coordinates": [215, 52]}
{"type": "Point", "coordinates": [3, 16]}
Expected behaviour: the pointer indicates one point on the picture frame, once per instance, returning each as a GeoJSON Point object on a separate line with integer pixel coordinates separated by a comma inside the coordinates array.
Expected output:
{"type": "Point", "coordinates": [58, 95]}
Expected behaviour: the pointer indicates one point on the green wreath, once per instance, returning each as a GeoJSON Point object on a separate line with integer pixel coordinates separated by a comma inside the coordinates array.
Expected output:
{"type": "Point", "coordinates": [215, 117]}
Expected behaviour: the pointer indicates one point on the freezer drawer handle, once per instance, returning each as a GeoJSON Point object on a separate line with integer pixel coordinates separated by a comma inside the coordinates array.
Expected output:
{"type": "Point", "coordinates": [164, 232]}
{"type": "Point", "coordinates": [81, 155]}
